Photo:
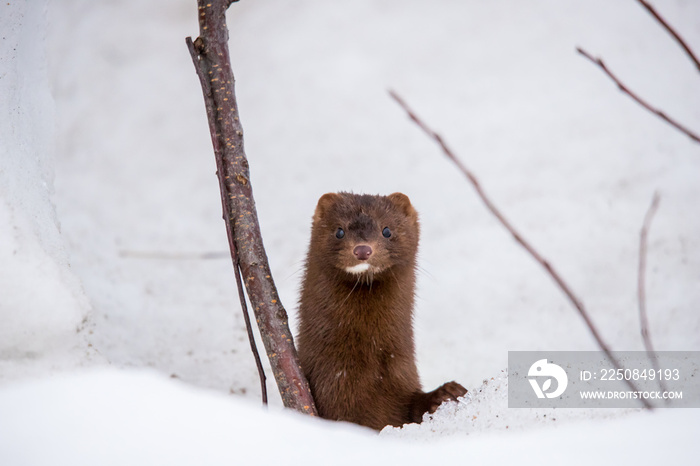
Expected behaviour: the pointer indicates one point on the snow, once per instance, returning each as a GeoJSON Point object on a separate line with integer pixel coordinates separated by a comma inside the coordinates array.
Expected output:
{"type": "Point", "coordinates": [112, 418]}
{"type": "Point", "coordinates": [42, 306]}
{"type": "Point", "coordinates": [113, 252]}
{"type": "Point", "coordinates": [485, 410]}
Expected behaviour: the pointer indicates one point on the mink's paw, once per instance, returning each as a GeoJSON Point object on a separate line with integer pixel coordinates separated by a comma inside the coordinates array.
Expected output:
{"type": "Point", "coordinates": [449, 391]}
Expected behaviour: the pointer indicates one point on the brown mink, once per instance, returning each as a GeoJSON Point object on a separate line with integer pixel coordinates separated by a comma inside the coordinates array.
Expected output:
{"type": "Point", "coordinates": [355, 337]}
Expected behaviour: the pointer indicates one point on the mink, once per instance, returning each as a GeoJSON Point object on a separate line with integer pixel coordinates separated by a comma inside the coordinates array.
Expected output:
{"type": "Point", "coordinates": [355, 340]}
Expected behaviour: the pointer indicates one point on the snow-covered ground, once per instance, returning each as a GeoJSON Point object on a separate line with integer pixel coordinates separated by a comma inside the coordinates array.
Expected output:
{"type": "Point", "coordinates": [109, 206]}
{"type": "Point", "coordinates": [110, 418]}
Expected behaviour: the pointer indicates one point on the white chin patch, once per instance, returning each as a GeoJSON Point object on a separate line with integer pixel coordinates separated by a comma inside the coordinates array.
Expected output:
{"type": "Point", "coordinates": [358, 269]}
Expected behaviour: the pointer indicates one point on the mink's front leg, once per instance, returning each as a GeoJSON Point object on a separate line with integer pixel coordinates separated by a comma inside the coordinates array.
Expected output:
{"type": "Point", "coordinates": [422, 403]}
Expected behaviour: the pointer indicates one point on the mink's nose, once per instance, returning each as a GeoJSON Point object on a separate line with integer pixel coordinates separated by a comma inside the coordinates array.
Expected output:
{"type": "Point", "coordinates": [362, 252]}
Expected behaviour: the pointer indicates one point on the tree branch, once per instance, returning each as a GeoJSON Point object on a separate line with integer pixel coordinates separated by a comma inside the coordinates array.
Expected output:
{"type": "Point", "coordinates": [516, 235]}
{"type": "Point", "coordinates": [641, 278]}
{"type": "Point", "coordinates": [211, 60]}
{"type": "Point", "coordinates": [638, 99]}
{"type": "Point", "coordinates": [671, 31]}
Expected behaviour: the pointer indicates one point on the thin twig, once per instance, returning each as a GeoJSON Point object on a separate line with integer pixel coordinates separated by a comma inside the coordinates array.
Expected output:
{"type": "Point", "coordinates": [211, 112]}
{"type": "Point", "coordinates": [174, 255]}
{"type": "Point", "coordinates": [248, 326]}
{"type": "Point", "coordinates": [210, 56]}
{"type": "Point", "coordinates": [671, 31]}
{"type": "Point", "coordinates": [636, 98]}
{"type": "Point", "coordinates": [641, 293]}
{"type": "Point", "coordinates": [516, 235]}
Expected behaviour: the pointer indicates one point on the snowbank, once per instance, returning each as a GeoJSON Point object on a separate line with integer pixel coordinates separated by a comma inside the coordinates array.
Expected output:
{"type": "Point", "coordinates": [485, 409]}
{"type": "Point", "coordinates": [42, 306]}
{"type": "Point", "coordinates": [118, 418]}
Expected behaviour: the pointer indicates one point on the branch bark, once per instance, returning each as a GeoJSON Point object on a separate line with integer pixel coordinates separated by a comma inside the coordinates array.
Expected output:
{"type": "Point", "coordinates": [211, 60]}
{"type": "Point", "coordinates": [597, 61]}
{"type": "Point", "coordinates": [516, 235]}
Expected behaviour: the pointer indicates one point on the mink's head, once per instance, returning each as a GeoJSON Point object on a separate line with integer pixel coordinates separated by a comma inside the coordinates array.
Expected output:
{"type": "Point", "coordinates": [357, 235]}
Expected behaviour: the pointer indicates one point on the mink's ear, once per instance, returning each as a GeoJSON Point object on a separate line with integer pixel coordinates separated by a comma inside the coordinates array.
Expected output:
{"type": "Point", "coordinates": [402, 201]}
{"type": "Point", "coordinates": [326, 201]}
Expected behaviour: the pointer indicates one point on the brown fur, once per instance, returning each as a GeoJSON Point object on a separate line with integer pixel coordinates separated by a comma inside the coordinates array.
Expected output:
{"type": "Point", "coordinates": [355, 337]}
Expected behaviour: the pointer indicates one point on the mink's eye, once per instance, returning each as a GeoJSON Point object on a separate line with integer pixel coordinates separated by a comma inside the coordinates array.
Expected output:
{"type": "Point", "coordinates": [386, 232]}
{"type": "Point", "coordinates": [340, 233]}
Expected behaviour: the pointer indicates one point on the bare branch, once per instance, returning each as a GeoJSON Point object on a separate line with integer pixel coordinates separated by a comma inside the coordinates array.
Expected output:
{"type": "Point", "coordinates": [641, 295]}
{"type": "Point", "coordinates": [641, 279]}
{"type": "Point", "coordinates": [248, 326]}
{"type": "Point", "coordinates": [210, 56]}
{"type": "Point", "coordinates": [517, 236]}
{"type": "Point", "coordinates": [174, 255]}
{"type": "Point", "coordinates": [671, 31]}
{"type": "Point", "coordinates": [638, 99]}
{"type": "Point", "coordinates": [209, 103]}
